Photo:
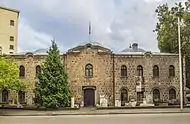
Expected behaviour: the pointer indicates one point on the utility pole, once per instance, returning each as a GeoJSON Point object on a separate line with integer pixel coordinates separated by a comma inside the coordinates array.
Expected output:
{"type": "Point", "coordinates": [180, 65]}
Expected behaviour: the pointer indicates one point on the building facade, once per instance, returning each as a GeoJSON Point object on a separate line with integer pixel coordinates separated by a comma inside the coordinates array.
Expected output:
{"type": "Point", "coordinates": [94, 71]}
{"type": "Point", "coordinates": [8, 30]}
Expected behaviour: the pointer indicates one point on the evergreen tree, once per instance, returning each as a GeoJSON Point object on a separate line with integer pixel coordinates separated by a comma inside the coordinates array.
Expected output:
{"type": "Point", "coordinates": [52, 90]}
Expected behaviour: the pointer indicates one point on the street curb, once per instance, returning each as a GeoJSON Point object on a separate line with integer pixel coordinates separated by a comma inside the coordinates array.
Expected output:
{"type": "Point", "coordinates": [111, 113]}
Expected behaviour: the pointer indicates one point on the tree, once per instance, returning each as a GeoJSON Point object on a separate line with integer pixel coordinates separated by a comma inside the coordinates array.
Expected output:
{"type": "Point", "coordinates": [52, 90]}
{"type": "Point", "coordinates": [9, 75]}
{"type": "Point", "coordinates": [167, 30]}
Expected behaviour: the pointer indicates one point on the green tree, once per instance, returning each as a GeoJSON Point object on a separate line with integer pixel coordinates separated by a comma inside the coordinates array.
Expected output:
{"type": "Point", "coordinates": [167, 30]}
{"type": "Point", "coordinates": [9, 75]}
{"type": "Point", "coordinates": [52, 90]}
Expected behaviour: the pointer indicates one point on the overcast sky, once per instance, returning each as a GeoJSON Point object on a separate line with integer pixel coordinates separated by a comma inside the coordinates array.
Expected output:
{"type": "Point", "coordinates": [115, 23]}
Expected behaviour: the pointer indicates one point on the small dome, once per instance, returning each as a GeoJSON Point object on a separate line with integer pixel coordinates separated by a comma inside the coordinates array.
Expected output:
{"type": "Point", "coordinates": [41, 51]}
{"type": "Point", "coordinates": [133, 48]}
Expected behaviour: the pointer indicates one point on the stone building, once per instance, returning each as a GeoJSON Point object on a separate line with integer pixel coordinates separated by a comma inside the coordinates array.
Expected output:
{"type": "Point", "coordinates": [94, 70]}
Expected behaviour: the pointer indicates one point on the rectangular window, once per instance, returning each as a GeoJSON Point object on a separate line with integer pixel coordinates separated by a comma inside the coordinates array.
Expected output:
{"type": "Point", "coordinates": [12, 22]}
{"type": "Point", "coordinates": [11, 38]}
{"type": "Point", "coordinates": [11, 52]}
{"type": "Point", "coordinates": [11, 47]}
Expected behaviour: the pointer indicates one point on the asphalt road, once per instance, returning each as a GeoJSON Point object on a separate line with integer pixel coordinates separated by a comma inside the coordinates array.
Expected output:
{"type": "Point", "coordinates": [180, 118]}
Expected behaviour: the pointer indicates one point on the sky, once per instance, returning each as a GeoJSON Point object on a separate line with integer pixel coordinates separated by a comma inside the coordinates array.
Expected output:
{"type": "Point", "coordinates": [114, 23]}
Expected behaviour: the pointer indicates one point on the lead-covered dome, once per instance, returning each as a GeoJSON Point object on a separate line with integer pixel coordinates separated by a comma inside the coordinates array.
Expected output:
{"type": "Point", "coordinates": [133, 48]}
{"type": "Point", "coordinates": [89, 45]}
{"type": "Point", "coordinates": [92, 43]}
{"type": "Point", "coordinates": [41, 51]}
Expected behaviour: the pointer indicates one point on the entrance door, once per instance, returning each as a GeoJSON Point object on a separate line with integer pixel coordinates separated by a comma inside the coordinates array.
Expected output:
{"type": "Point", "coordinates": [89, 97]}
{"type": "Point", "coordinates": [140, 97]}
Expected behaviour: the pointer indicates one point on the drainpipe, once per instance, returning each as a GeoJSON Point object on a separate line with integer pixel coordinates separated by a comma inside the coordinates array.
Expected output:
{"type": "Point", "coordinates": [113, 78]}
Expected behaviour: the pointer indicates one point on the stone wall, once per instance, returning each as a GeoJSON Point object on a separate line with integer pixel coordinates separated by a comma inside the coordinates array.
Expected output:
{"type": "Point", "coordinates": [162, 83]}
{"type": "Point", "coordinates": [102, 73]}
{"type": "Point", "coordinates": [102, 61]}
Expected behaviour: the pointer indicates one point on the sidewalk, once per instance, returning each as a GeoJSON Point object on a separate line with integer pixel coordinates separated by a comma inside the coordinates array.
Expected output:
{"type": "Point", "coordinates": [88, 111]}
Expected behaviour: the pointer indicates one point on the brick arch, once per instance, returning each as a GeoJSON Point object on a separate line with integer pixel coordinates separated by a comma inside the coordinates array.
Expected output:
{"type": "Point", "coordinates": [156, 88]}
{"type": "Point", "coordinates": [122, 88]}
{"type": "Point", "coordinates": [172, 94]}
{"type": "Point", "coordinates": [155, 70]}
{"type": "Point", "coordinates": [171, 71]}
{"type": "Point", "coordinates": [124, 95]}
{"type": "Point", "coordinates": [123, 70]}
{"type": "Point", "coordinates": [22, 71]}
{"type": "Point", "coordinates": [171, 87]}
{"type": "Point", "coordinates": [5, 95]}
{"type": "Point", "coordinates": [156, 93]}
{"type": "Point", "coordinates": [139, 70]}
{"type": "Point", "coordinates": [38, 70]}
{"type": "Point", "coordinates": [89, 70]}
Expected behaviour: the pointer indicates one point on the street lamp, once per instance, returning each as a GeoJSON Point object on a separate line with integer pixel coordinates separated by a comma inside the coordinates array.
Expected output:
{"type": "Point", "coordinates": [180, 65]}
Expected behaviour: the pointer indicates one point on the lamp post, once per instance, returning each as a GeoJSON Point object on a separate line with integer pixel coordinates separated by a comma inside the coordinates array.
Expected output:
{"type": "Point", "coordinates": [180, 65]}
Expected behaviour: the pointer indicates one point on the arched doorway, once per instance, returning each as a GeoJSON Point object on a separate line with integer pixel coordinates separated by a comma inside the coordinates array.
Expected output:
{"type": "Point", "coordinates": [5, 96]}
{"type": "Point", "coordinates": [172, 94]}
{"type": "Point", "coordinates": [89, 96]}
{"type": "Point", "coordinates": [156, 95]}
{"type": "Point", "coordinates": [21, 97]}
{"type": "Point", "coordinates": [124, 97]}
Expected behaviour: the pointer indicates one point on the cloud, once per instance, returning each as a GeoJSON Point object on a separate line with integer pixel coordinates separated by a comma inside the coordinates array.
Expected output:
{"type": "Point", "coordinates": [115, 23]}
{"type": "Point", "coordinates": [30, 39]}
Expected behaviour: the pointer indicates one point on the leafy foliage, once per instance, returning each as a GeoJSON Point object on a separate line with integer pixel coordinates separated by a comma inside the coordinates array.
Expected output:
{"type": "Point", "coordinates": [52, 90]}
{"type": "Point", "coordinates": [9, 75]}
{"type": "Point", "coordinates": [167, 30]}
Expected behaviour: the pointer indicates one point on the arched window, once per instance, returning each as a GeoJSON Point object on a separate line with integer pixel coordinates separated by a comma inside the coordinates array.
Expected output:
{"type": "Point", "coordinates": [139, 70]}
{"type": "Point", "coordinates": [5, 96]}
{"type": "Point", "coordinates": [123, 70]}
{"type": "Point", "coordinates": [21, 97]}
{"type": "Point", "coordinates": [38, 70]}
{"type": "Point", "coordinates": [124, 97]}
{"type": "Point", "coordinates": [171, 71]}
{"type": "Point", "coordinates": [155, 71]}
{"type": "Point", "coordinates": [156, 95]}
{"type": "Point", "coordinates": [172, 94]}
{"type": "Point", "coordinates": [89, 70]}
{"type": "Point", "coordinates": [22, 71]}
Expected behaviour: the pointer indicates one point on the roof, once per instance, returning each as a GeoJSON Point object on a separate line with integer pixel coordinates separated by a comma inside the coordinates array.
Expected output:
{"type": "Point", "coordinates": [41, 51]}
{"type": "Point", "coordinates": [37, 52]}
{"type": "Point", "coordinates": [92, 43]}
{"type": "Point", "coordinates": [142, 53]}
{"type": "Point", "coordinates": [133, 48]}
{"type": "Point", "coordinates": [88, 44]}
{"type": "Point", "coordinates": [9, 9]}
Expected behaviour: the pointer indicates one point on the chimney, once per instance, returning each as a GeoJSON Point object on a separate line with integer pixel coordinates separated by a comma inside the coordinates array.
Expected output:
{"type": "Point", "coordinates": [135, 46]}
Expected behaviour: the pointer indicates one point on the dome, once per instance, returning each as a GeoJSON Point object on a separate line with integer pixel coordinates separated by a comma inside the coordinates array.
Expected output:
{"type": "Point", "coordinates": [89, 44]}
{"type": "Point", "coordinates": [41, 51]}
{"type": "Point", "coordinates": [133, 48]}
{"type": "Point", "coordinates": [92, 43]}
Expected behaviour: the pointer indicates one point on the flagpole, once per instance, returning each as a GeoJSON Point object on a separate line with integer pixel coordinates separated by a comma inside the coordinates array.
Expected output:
{"type": "Point", "coordinates": [89, 31]}
{"type": "Point", "coordinates": [180, 66]}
